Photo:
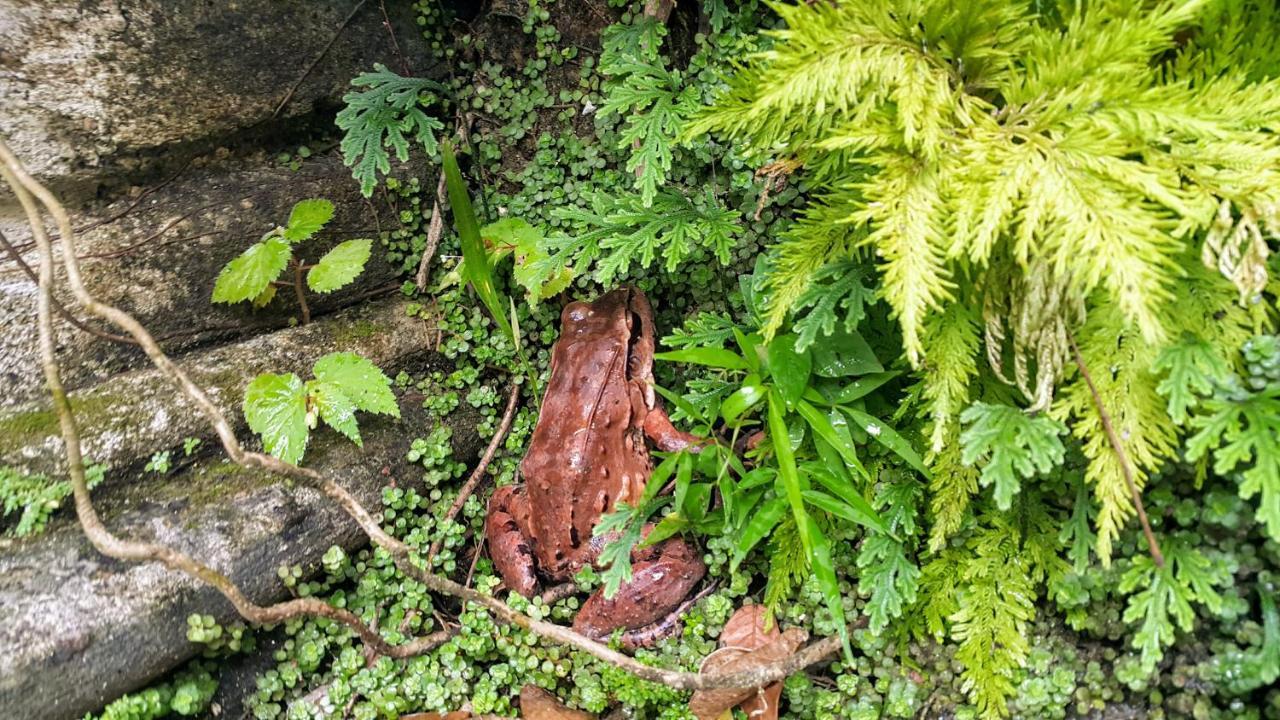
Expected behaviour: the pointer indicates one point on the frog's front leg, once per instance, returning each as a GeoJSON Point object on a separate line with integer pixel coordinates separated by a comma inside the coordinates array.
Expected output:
{"type": "Point", "coordinates": [662, 578]}
{"type": "Point", "coordinates": [506, 530]}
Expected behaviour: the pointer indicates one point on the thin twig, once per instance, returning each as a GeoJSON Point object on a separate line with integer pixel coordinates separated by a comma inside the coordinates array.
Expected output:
{"type": "Point", "coordinates": [477, 475]}
{"type": "Point", "coordinates": [297, 290]}
{"type": "Point", "coordinates": [402, 555]}
{"type": "Point", "coordinates": [316, 60]}
{"type": "Point", "coordinates": [395, 46]}
{"type": "Point", "coordinates": [1125, 469]}
{"type": "Point", "coordinates": [434, 230]}
{"type": "Point", "coordinates": [66, 314]}
{"type": "Point", "coordinates": [102, 538]}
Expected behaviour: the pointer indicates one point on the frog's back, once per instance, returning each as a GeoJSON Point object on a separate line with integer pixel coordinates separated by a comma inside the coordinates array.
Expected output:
{"type": "Point", "coordinates": [582, 455]}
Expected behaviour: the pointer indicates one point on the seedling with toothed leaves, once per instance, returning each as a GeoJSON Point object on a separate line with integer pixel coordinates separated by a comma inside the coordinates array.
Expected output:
{"type": "Point", "coordinates": [284, 410]}
{"type": "Point", "coordinates": [254, 275]}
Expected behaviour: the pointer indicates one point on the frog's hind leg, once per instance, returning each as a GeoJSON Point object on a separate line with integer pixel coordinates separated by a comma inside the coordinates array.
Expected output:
{"type": "Point", "coordinates": [662, 578]}
{"type": "Point", "coordinates": [505, 529]}
{"type": "Point", "coordinates": [665, 435]}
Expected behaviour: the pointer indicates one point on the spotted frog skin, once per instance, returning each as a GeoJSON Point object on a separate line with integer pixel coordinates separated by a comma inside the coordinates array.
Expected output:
{"type": "Point", "coordinates": [587, 454]}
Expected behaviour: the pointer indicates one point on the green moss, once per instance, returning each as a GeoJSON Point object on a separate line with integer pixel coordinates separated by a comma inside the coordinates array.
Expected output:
{"type": "Point", "coordinates": [33, 426]}
{"type": "Point", "coordinates": [348, 335]}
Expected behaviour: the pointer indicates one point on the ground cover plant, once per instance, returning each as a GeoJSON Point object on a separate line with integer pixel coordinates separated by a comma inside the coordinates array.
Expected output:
{"type": "Point", "coordinates": [977, 301]}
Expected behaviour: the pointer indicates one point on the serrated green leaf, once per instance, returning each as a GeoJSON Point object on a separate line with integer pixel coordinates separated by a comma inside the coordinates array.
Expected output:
{"type": "Point", "coordinates": [1192, 368]}
{"type": "Point", "coordinates": [336, 409]}
{"type": "Point", "coordinates": [360, 380]}
{"type": "Point", "coordinates": [307, 218]}
{"type": "Point", "coordinates": [275, 406]}
{"type": "Point", "coordinates": [265, 297]}
{"type": "Point", "coordinates": [339, 266]}
{"type": "Point", "coordinates": [250, 274]}
{"type": "Point", "coordinates": [1011, 445]}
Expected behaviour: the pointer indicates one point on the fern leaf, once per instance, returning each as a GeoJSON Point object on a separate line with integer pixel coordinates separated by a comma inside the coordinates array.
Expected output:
{"type": "Point", "coordinates": [1013, 446]}
{"type": "Point", "coordinates": [1164, 597]}
{"type": "Point", "coordinates": [844, 298]}
{"type": "Point", "coordinates": [388, 113]}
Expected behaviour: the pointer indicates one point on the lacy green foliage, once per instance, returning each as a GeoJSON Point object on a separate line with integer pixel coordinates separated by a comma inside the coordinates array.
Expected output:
{"type": "Point", "coordinates": [34, 498]}
{"type": "Point", "coordinates": [253, 275]}
{"type": "Point", "coordinates": [651, 98]}
{"type": "Point", "coordinates": [1163, 596]}
{"type": "Point", "coordinates": [889, 576]}
{"type": "Point", "coordinates": [616, 232]}
{"type": "Point", "coordinates": [1240, 425]}
{"type": "Point", "coordinates": [1192, 369]}
{"type": "Point", "coordinates": [1011, 446]}
{"type": "Point", "coordinates": [989, 621]}
{"type": "Point", "coordinates": [283, 409]}
{"type": "Point", "coordinates": [387, 114]}
{"type": "Point", "coordinates": [838, 293]}
{"type": "Point", "coordinates": [983, 595]}
{"type": "Point", "coordinates": [1035, 169]}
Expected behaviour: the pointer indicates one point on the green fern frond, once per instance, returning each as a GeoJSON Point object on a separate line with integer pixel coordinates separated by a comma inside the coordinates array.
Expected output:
{"type": "Point", "coordinates": [1165, 595]}
{"type": "Point", "coordinates": [388, 113]}
{"type": "Point", "coordinates": [991, 618]}
{"type": "Point", "coordinates": [952, 339]}
{"type": "Point", "coordinates": [837, 293]}
{"type": "Point", "coordinates": [623, 231]}
{"type": "Point", "coordinates": [902, 212]}
{"type": "Point", "coordinates": [1120, 363]}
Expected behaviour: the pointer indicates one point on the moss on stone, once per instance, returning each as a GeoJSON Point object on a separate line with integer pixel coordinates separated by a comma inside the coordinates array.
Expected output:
{"type": "Point", "coordinates": [346, 335]}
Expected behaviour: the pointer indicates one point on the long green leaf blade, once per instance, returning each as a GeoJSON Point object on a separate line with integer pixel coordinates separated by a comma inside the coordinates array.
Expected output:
{"type": "Point", "coordinates": [476, 269]}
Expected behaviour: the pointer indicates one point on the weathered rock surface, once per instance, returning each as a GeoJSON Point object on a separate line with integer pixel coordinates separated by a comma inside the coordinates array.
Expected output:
{"type": "Point", "coordinates": [134, 414]}
{"type": "Point", "coordinates": [160, 259]}
{"type": "Point", "coordinates": [89, 92]}
{"type": "Point", "coordinates": [77, 629]}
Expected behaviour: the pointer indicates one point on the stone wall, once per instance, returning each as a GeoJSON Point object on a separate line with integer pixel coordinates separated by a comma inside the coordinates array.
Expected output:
{"type": "Point", "coordinates": [156, 122]}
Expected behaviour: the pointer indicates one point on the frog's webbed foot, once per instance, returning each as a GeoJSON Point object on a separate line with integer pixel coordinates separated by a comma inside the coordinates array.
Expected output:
{"type": "Point", "coordinates": [647, 607]}
{"type": "Point", "coordinates": [504, 529]}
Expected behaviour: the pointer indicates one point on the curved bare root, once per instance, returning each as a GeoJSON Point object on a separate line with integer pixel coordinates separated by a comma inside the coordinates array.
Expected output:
{"type": "Point", "coordinates": [28, 191]}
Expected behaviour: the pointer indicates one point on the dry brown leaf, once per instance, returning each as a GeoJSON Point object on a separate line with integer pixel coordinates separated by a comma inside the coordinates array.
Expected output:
{"type": "Point", "coordinates": [538, 704]}
{"type": "Point", "coordinates": [751, 627]}
{"type": "Point", "coordinates": [713, 704]}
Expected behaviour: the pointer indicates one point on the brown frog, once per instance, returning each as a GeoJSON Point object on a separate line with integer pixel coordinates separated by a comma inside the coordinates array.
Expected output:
{"type": "Point", "coordinates": [588, 454]}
